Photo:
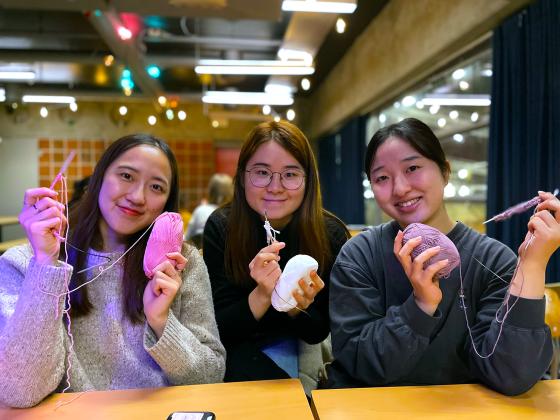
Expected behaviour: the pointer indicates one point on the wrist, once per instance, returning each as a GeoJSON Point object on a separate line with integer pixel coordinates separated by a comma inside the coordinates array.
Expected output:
{"type": "Point", "coordinates": [157, 324]}
{"type": "Point", "coordinates": [427, 308]}
{"type": "Point", "coordinates": [45, 259]}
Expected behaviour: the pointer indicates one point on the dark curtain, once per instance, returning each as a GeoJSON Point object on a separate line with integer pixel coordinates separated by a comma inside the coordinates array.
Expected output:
{"type": "Point", "coordinates": [341, 158]}
{"type": "Point", "coordinates": [524, 146]}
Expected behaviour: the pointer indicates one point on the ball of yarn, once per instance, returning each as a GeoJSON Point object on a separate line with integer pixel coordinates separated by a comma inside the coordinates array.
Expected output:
{"type": "Point", "coordinates": [432, 237]}
{"type": "Point", "coordinates": [166, 237]}
{"type": "Point", "coordinates": [298, 267]}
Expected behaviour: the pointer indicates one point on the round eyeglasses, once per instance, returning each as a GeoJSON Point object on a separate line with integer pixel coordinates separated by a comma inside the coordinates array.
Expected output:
{"type": "Point", "coordinates": [291, 179]}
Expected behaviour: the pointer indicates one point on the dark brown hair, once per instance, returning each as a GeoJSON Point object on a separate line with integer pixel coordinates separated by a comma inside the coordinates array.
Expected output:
{"type": "Point", "coordinates": [244, 224]}
{"type": "Point", "coordinates": [415, 133]}
{"type": "Point", "coordinates": [85, 234]}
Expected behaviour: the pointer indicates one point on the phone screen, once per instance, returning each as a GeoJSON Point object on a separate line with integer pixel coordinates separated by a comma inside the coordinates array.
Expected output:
{"type": "Point", "coordinates": [191, 415]}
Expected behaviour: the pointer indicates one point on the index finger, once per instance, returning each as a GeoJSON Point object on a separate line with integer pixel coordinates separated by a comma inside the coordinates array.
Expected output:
{"type": "Point", "coordinates": [33, 195]}
{"type": "Point", "coordinates": [274, 247]}
{"type": "Point", "coordinates": [166, 267]}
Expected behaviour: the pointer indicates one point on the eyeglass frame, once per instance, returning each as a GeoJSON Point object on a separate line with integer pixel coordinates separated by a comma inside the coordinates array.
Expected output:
{"type": "Point", "coordinates": [272, 177]}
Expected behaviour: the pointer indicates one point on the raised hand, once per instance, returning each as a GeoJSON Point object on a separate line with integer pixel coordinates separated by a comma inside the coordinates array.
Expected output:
{"type": "Point", "coordinates": [264, 269]}
{"type": "Point", "coordinates": [42, 216]}
{"type": "Point", "coordinates": [425, 283]}
{"type": "Point", "coordinates": [541, 241]}
{"type": "Point", "coordinates": [161, 290]}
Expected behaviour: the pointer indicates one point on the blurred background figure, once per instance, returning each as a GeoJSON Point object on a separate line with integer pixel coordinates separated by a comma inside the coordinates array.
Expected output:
{"type": "Point", "coordinates": [220, 191]}
{"type": "Point", "coordinates": [80, 188]}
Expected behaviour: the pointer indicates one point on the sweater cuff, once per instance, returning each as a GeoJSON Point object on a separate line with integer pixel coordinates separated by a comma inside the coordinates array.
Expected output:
{"type": "Point", "coordinates": [164, 350]}
{"type": "Point", "coordinates": [420, 322]}
{"type": "Point", "coordinates": [49, 278]}
{"type": "Point", "coordinates": [527, 313]}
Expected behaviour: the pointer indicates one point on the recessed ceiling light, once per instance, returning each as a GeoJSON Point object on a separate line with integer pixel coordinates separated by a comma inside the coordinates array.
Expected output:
{"type": "Point", "coordinates": [458, 74]}
{"type": "Point", "coordinates": [340, 26]}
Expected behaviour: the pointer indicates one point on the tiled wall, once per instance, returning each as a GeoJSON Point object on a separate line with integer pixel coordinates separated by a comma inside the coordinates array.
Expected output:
{"type": "Point", "coordinates": [194, 157]}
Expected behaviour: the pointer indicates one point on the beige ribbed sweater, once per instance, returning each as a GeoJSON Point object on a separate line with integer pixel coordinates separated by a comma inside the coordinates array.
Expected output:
{"type": "Point", "coordinates": [109, 351]}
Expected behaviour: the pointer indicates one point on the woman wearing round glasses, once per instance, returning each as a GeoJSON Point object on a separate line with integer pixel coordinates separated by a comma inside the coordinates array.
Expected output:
{"type": "Point", "coordinates": [276, 178]}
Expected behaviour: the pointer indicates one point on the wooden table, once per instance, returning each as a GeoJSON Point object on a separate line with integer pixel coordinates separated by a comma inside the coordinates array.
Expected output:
{"type": "Point", "coordinates": [259, 400]}
{"type": "Point", "coordinates": [438, 402]}
{"type": "Point", "coordinates": [7, 220]}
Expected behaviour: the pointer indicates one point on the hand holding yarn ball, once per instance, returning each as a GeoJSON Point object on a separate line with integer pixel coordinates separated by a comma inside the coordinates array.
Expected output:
{"type": "Point", "coordinates": [296, 280]}
{"type": "Point", "coordinates": [426, 255]}
{"type": "Point", "coordinates": [166, 237]}
{"type": "Point", "coordinates": [163, 262]}
{"type": "Point", "coordinates": [431, 238]}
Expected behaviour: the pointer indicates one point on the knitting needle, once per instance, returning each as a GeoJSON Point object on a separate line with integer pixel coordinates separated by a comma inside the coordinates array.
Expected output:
{"type": "Point", "coordinates": [63, 168]}
{"type": "Point", "coordinates": [518, 208]}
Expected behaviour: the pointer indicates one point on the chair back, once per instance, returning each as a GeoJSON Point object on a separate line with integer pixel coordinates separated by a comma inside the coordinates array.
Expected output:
{"type": "Point", "coordinates": [552, 311]}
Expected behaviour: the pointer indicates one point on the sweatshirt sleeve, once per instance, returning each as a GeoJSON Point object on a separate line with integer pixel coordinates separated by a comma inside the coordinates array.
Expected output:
{"type": "Point", "coordinates": [32, 341]}
{"type": "Point", "coordinates": [365, 338]}
{"type": "Point", "coordinates": [189, 350]}
{"type": "Point", "coordinates": [510, 356]}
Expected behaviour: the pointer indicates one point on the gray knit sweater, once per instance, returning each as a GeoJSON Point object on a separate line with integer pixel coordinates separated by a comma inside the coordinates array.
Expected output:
{"type": "Point", "coordinates": [109, 351]}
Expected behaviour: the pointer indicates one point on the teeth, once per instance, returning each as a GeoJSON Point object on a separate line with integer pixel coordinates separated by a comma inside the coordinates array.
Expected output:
{"type": "Point", "coordinates": [408, 203]}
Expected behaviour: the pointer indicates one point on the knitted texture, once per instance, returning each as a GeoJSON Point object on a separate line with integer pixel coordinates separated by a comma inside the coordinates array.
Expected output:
{"type": "Point", "coordinates": [166, 237]}
{"type": "Point", "coordinates": [110, 352]}
{"type": "Point", "coordinates": [432, 237]}
{"type": "Point", "coordinates": [298, 267]}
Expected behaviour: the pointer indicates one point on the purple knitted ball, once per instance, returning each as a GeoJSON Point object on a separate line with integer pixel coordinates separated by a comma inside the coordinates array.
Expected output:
{"type": "Point", "coordinates": [432, 237]}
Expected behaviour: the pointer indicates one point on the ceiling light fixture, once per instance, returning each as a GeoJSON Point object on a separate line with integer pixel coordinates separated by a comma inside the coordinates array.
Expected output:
{"type": "Point", "coordinates": [287, 54]}
{"type": "Point", "coordinates": [253, 67]}
{"type": "Point", "coordinates": [318, 6]}
{"type": "Point", "coordinates": [278, 88]}
{"type": "Point", "coordinates": [340, 26]}
{"type": "Point", "coordinates": [48, 99]}
{"type": "Point", "coordinates": [457, 100]}
{"type": "Point", "coordinates": [17, 75]}
{"type": "Point", "coordinates": [305, 83]}
{"type": "Point", "coordinates": [246, 98]}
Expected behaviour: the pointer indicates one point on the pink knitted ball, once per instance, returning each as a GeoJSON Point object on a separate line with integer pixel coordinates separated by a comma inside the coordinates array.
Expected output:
{"type": "Point", "coordinates": [166, 237]}
{"type": "Point", "coordinates": [432, 237]}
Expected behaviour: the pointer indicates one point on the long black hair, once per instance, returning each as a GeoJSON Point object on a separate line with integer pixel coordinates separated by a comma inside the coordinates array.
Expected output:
{"type": "Point", "coordinates": [85, 232]}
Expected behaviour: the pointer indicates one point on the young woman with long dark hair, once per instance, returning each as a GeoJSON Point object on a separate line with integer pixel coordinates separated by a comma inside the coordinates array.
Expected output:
{"type": "Point", "coordinates": [277, 180]}
{"type": "Point", "coordinates": [128, 331]}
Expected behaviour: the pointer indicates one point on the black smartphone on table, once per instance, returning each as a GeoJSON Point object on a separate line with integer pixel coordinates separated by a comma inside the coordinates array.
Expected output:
{"type": "Point", "coordinates": [192, 415]}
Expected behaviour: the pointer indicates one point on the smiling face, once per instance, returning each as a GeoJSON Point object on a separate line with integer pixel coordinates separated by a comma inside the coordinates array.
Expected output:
{"type": "Point", "coordinates": [278, 202]}
{"type": "Point", "coordinates": [408, 186]}
{"type": "Point", "coordinates": [134, 192]}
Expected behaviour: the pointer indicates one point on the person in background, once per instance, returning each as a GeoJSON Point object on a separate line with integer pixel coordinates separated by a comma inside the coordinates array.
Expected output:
{"type": "Point", "coordinates": [395, 323]}
{"type": "Point", "coordinates": [220, 191]}
{"type": "Point", "coordinates": [276, 177]}
{"type": "Point", "coordinates": [80, 188]}
{"type": "Point", "coordinates": [128, 331]}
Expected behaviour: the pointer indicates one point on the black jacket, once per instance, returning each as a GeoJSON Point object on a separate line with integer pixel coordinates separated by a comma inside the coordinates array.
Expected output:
{"type": "Point", "coordinates": [242, 335]}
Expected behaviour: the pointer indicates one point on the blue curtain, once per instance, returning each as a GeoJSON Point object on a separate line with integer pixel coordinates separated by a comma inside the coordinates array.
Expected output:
{"type": "Point", "coordinates": [341, 158]}
{"type": "Point", "coordinates": [524, 146]}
